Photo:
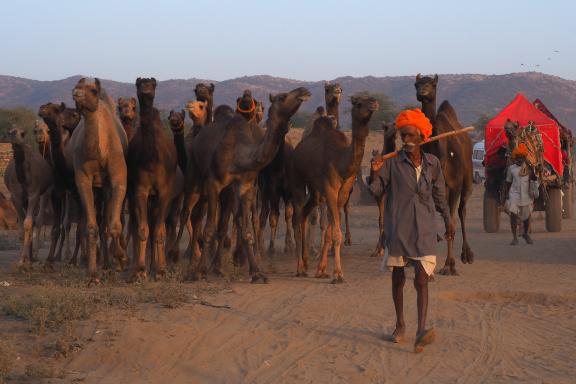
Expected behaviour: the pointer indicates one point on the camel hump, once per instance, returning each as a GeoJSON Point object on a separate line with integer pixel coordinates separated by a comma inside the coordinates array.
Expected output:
{"type": "Point", "coordinates": [446, 118]}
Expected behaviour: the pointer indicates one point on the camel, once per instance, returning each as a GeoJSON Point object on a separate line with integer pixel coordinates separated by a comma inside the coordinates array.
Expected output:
{"type": "Point", "coordinates": [128, 115]}
{"type": "Point", "coordinates": [42, 138]}
{"type": "Point", "coordinates": [326, 163]}
{"type": "Point", "coordinates": [388, 146]}
{"type": "Point", "coordinates": [61, 122]}
{"type": "Point", "coordinates": [152, 162]}
{"type": "Point", "coordinates": [205, 93]}
{"type": "Point", "coordinates": [28, 177]}
{"type": "Point", "coordinates": [99, 146]}
{"type": "Point", "coordinates": [227, 153]}
{"type": "Point", "coordinates": [455, 154]}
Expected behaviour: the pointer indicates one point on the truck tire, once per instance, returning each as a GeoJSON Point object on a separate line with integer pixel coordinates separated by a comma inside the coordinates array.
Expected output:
{"type": "Point", "coordinates": [491, 213]}
{"type": "Point", "coordinates": [568, 202]}
{"type": "Point", "coordinates": [554, 210]}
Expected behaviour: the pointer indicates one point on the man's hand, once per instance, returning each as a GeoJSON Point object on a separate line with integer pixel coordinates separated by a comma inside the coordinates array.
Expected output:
{"type": "Point", "coordinates": [376, 164]}
{"type": "Point", "coordinates": [449, 235]}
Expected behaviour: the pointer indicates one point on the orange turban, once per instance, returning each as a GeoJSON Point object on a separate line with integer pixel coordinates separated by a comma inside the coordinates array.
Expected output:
{"type": "Point", "coordinates": [415, 118]}
{"type": "Point", "coordinates": [520, 150]}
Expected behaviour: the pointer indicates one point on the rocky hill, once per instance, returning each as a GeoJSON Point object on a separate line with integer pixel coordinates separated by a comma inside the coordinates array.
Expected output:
{"type": "Point", "coordinates": [471, 95]}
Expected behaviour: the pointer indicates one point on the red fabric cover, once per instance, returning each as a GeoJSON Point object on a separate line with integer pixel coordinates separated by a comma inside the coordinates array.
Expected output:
{"type": "Point", "coordinates": [523, 111]}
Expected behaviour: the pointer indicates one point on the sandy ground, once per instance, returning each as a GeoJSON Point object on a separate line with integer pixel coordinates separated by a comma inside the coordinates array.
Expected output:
{"type": "Point", "coordinates": [508, 318]}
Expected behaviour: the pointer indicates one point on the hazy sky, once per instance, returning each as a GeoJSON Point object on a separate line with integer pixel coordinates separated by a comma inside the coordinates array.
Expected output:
{"type": "Point", "coordinates": [306, 40]}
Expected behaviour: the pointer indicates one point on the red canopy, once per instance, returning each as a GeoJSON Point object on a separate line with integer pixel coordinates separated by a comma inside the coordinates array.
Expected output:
{"type": "Point", "coordinates": [523, 111]}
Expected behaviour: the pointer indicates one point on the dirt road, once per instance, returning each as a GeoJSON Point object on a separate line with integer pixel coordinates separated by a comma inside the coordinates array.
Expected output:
{"type": "Point", "coordinates": [510, 317]}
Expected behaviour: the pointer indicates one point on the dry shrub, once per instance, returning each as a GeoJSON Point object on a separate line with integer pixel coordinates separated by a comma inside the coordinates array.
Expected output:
{"type": "Point", "coordinates": [168, 294]}
{"type": "Point", "coordinates": [39, 370]}
{"type": "Point", "coordinates": [51, 308]}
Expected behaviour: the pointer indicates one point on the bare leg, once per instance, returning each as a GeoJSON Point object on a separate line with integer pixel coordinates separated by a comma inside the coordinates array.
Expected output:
{"type": "Point", "coordinates": [398, 281]}
{"type": "Point", "coordinates": [423, 336]}
{"type": "Point", "coordinates": [526, 234]}
{"type": "Point", "coordinates": [513, 227]}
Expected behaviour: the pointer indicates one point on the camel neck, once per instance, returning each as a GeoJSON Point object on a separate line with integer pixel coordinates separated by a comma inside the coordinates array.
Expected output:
{"type": "Point", "coordinates": [429, 109]}
{"type": "Point", "coordinates": [92, 134]}
{"type": "Point", "coordinates": [128, 125]}
{"type": "Point", "coordinates": [44, 149]}
{"type": "Point", "coordinates": [332, 109]}
{"type": "Point", "coordinates": [22, 154]}
{"type": "Point", "coordinates": [352, 158]}
{"type": "Point", "coordinates": [146, 103]}
{"type": "Point", "coordinates": [209, 111]}
{"type": "Point", "coordinates": [276, 129]}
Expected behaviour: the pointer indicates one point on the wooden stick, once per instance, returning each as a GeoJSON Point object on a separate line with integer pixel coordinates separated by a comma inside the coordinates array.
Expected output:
{"type": "Point", "coordinates": [378, 161]}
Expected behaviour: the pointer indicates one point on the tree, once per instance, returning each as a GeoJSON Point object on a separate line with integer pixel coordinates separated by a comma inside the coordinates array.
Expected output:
{"type": "Point", "coordinates": [20, 117]}
{"type": "Point", "coordinates": [480, 125]}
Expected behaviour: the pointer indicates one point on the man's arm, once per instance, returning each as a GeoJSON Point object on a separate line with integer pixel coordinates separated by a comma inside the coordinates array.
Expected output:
{"type": "Point", "coordinates": [378, 180]}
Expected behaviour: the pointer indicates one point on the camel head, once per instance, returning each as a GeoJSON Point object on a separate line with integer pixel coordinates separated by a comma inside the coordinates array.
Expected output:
{"type": "Point", "coordinates": [41, 132]}
{"type": "Point", "coordinates": [326, 122]}
{"type": "Point", "coordinates": [176, 120]}
{"type": "Point", "coordinates": [426, 87]}
{"type": "Point", "coordinates": [16, 136]}
{"type": "Point", "coordinates": [511, 129]}
{"type": "Point", "coordinates": [198, 111]}
{"type": "Point", "coordinates": [285, 105]}
{"type": "Point", "coordinates": [332, 92]}
{"type": "Point", "coordinates": [204, 92]}
{"type": "Point", "coordinates": [61, 116]}
{"type": "Point", "coordinates": [87, 95]}
{"type": "Point", "coordinates": [146, 87]}
{"type": "Point", "coordinates": [320, 111]}
{"type": "Point", "coordinates": [362, 109]}
{"type": "Point", "coordinates": [127, 108]}
{"type": "Point", "coordinates": [246, 105]}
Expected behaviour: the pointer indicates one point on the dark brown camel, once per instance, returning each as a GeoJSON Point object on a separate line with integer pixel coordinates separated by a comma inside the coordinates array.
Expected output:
{"type": "Point", "coordinates": [205, 93]}
{"type": "Point", "coordinates": [388, 146]}
{"type": "Point", "coordinates": [227, 153]}
{"type": "Point", "coordinates": [128, 115]}
{"type": "Point", "coordinates": [62, 122]}
{"type": "Point", "coordinates": [152, 162]}
{"type": "Point", "coordinates": [325, 163]}
{"type": "Point", "coordinates": [99, 146]}
{"type": "Point", "coordinates": [455, 154]}
{"type": "Point", "coordinates": [28, 176]}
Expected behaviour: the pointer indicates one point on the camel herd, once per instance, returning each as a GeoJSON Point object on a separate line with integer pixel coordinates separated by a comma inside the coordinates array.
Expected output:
{"type": "Point", "coordinates": [114, 170]}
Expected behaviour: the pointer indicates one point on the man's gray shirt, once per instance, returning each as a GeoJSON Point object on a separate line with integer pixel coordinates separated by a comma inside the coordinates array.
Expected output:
{"type": "Point", "coordinates": [409, 219]}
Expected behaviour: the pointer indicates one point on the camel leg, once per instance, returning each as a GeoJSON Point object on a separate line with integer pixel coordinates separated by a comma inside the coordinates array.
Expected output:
{"type": "Point", "coordinates": [289, 245]}
{"type": "Point", "coordinates": [348, 238]}
{"type": "Point", "coordinates": [226, 203]}
{"type": "Point", "coordinates": [139, 220]}
{"type": "Point", "coordinates": [247, 193]}
{"type": "Point", "coordinates": [56, 199]}
{"type": "Point", "coordinates": [327, 242]}
{"type": "Point", "coordinates": [28, 227]}
{"type": "Point", "coordinates": [333, 203]}
{"type": "Point", "coordinates": [311, 204]}
{"type": "Point", "coordinates": [450, 263]}
{"type": "Point", "coordinates": [298, 201]}
{"type": "Point", "coordinates": [201, 269]}
{"type": "Point", "coordinates": [195, 221]}
{"type": "Point", "coordinates": [173, 249]}
{"type": "Point", "coordinates": [379, 251]}
{"type": "Point", "coordinates": [274, 216]}
{"type": "Point", "coordinates": [114, 210]}
{"type": "Point", "coordinates": [79, 230]}
{"type": "Point", "coordinates": [323, 216]}
{"type": "Point", "coordinates": [467, 255]}
{"type": "Point", "coordinates": [84, 185]}
{"type": "Point", "coordinates": [264, 215]}
{"type": "Point", "coordinates": [255, 225]}
{"type": "Point", "coordinates": [159, 232]}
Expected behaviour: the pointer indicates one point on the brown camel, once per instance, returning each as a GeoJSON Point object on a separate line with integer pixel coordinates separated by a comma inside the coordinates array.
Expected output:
{"type": "Point", "coordinates": [152, 162]}
{"type": "Point", "coordinates": [227, 153]}
{"type": "Point", "coordinates": [326, 163]}
{"type": "Point", "coordinates": [61, 122]}
{"type": "Point", "coordinates": [455, 154]}
{"type": "Point", "coordinates": [388, 146]}
{"type": "Point", "coordinates": [28, 177]}
{"type": "Point", "coordinates": [128, 115]}
{"type": "Point", "coordinates": [205, 93]}
{"type": "Point", "coordinates": [99, 146]}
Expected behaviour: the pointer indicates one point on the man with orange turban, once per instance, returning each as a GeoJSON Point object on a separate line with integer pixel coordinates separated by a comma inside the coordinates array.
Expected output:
{"type": "Point", "coordinates": [522, 186]}
{"type": "Point", "coordinates": [415, 190]}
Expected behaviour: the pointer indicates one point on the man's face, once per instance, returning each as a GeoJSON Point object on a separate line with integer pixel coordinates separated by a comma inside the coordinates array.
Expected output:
{"type": "Point", "coordinates": [411, 137]}
{"type": "Point", "coordinates": [520, 160]}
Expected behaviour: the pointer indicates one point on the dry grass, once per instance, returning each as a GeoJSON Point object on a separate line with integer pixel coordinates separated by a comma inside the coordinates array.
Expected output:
{"type": "Point", "coordinates": [7, 360]}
